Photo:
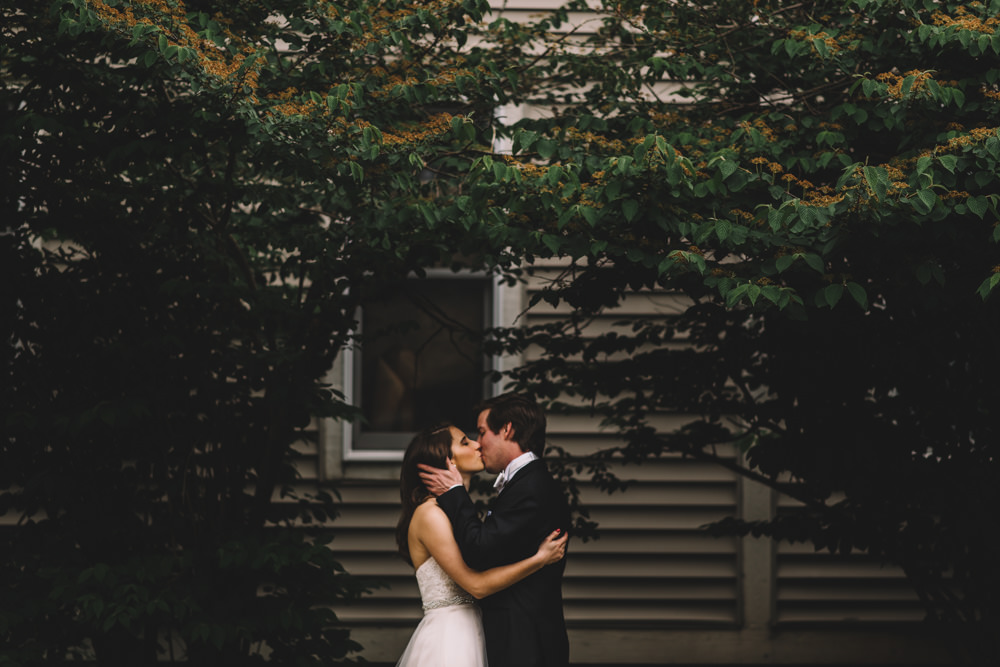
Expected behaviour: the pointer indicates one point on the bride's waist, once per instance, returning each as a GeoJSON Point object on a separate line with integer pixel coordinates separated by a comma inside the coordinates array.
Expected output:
{"type": "Point", "coordinates": [453, 601]}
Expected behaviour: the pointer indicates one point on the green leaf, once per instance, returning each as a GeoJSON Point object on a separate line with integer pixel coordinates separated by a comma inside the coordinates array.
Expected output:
{"type": "Point", "coordinates": [978, 205]}
{"type": "Point", "coordinates": [958, 96]}
{"type": "Point", "coordinates": [737, 180]}
{"type": "Point", "coordinates": [734, 295]}
{"type": "Point", "coordinates": [589, 214]}
{"type": "Point", "coordinates": [993, 143]}
{"type": "Point", "coordinates": [815, 262]}
{"type": "Point", "coordinates": [785, 261]}
{"type": "Point", "coordinates": [927, 199]}
{"type": "Point", "coordinates": [775, 216]}
{"type": "Point", "coordinates": [987, 286]}
{"type": "Point", "coordinates": [877, 180]}
{"type": "Point", "coordinates": [924, 272]}
{"type": "Point", "coordinates": [546, 148]}
{"type": "Point", "coordinates": [772, 293]}
{"type": "Point", "coordinates": [949, 162]}
{"type": "Point", "coordinates": [907, 85]}
{"type": "Point", "coordinates": [630, 208]}
{"type": "Point", "coordinates": [723, 228]}
{"type": "Point", "coordinates": [554, 174]}
{"type": "Point", "coordinates": [859, 295]}
{"type": "Point", "coordinates": [832, 294]}
{"type": "Point", "coordinates": [552, 242]}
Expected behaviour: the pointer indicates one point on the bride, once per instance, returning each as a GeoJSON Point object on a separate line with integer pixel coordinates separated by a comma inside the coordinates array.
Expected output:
{"type": "Point", "coordinates": [451, 631]}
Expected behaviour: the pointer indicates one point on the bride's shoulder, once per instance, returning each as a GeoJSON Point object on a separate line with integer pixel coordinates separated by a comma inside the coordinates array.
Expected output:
{"type": "Point", "coordinates": [429, 506]}
{"type": "Point", "coordinates": [428, 511]}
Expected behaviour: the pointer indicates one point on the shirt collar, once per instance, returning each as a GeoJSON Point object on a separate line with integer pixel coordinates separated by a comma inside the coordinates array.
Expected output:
{"type": "Point", "coordinates": [512, 468]}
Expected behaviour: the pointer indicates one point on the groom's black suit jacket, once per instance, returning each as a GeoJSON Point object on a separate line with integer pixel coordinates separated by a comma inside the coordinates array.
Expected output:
{"type": "Point", "coordinates": [524, 624]}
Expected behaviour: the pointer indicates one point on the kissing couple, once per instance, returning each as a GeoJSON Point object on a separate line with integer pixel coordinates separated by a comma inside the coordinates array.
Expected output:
{"type": "Point", "coordinates": [491, 588]}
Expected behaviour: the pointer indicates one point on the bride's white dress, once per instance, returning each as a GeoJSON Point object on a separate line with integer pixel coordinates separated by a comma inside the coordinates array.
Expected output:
{"type": "Point", "coordinates": [451, 632]}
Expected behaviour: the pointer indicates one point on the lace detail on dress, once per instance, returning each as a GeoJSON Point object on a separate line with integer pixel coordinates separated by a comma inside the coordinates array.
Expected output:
{"type": "Point", "coordinates": [437, 589]}
{"type": "Point", "coordinates": [450, 602]}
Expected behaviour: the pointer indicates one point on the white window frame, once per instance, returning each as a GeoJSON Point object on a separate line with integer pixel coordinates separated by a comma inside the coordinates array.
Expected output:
{"type": "Point", "coordinates": [495, 310]}
{"type": "Point", "coordinates": [336, 439]}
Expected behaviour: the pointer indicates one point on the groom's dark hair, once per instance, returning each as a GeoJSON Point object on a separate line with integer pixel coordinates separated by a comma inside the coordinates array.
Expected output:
{"type": "Point", "coordinates": [524, 415]}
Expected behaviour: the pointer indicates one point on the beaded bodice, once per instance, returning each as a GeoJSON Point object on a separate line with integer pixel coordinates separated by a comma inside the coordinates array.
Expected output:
{"type": "Point", "coordinates": [437, 589]}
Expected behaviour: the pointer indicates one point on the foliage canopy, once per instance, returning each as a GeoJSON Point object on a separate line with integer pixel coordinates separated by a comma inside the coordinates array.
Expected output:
{"type": "Point", "coordinates": [818, 179]}
{"type": "Point", "coordinates": [205, 191]}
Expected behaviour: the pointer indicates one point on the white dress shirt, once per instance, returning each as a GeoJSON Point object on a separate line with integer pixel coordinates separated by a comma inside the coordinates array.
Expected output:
{"type": "Point", "coordinates": [512, 468]}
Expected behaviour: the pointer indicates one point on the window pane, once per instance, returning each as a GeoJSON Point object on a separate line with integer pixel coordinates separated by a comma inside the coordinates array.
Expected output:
{"type": "Point", "coordinates": [422, 361]}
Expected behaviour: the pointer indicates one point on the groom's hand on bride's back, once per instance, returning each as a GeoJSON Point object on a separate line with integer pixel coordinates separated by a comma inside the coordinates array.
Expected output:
{"type": "Point", "coordinates": [437, 480]}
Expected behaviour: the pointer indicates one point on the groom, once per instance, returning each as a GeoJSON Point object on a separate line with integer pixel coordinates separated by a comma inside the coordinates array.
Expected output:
{"type": "Point", "coordinates": [524, 624]}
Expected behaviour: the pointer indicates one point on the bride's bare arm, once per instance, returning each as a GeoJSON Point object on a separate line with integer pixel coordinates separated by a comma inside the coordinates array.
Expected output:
{"type": "Point", "coordinates": [433, 530]}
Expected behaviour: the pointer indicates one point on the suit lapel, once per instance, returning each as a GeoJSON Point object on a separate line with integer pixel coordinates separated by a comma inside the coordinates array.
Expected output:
{"type": "Point", "coordinates": [519, 475]}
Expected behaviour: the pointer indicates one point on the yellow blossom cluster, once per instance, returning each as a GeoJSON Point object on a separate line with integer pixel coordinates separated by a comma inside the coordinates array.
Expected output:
{"type": "Point", "coordinates": [895, 172]}
{"type": "Point", "coordinates": [403, 77]}
{"type": "Point", "coordinates": [613, 145]}
{"type": "Point", "coordinates": [821, 200]}
{"type": "Point", "coordinates": [894, 81]}
{"type": "Point", "coordinates": [773, 167]}
{"type": "Point", "coordinates": [975, 135]}
{"type": "Point", "coordinates": [386, 19]}
{"type": "Point", "coordinates": [434, 126]}
{"type": "Point", "coordinates": [289, 106]}
{"type": "Point", "coordinates": [955, 194]}
{"type": "Point", "coordinates": [763, 128]}
{"type": "Point", "coordinates": [112, 16]}
{"type": "Point", "coordinates": [831, 42]}
{"type": "Point", "coordinates": [528, 169]}
{"type": "Point", "coordinates": [990, 93]}
{"type": "Point", "coordinates": [171, 19]}
{"type": "Point", "coordinates": [963, 20]}
{"type": "Point", "coordinates": [666, 119]}
{"type": "Point", "coordinates": [391, 82]}
{"type": "Point", "coordinates": [792, 179]}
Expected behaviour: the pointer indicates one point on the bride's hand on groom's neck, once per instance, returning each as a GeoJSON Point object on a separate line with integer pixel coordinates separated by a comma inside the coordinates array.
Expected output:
{"type": "Point", "coordinates": [437, 480]}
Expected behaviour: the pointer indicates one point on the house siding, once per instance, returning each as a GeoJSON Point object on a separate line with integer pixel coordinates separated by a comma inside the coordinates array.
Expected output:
{"type": "Point", "coordinates": [654, 588]}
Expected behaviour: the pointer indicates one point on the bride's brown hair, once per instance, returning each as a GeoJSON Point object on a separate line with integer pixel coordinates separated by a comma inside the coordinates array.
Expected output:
{"type": "Point", "coordinates": [433, 447]}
